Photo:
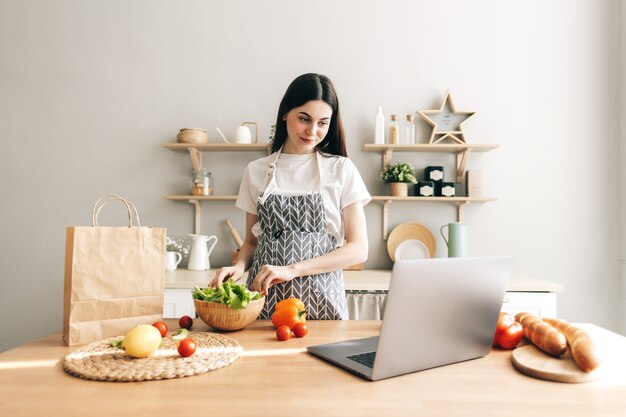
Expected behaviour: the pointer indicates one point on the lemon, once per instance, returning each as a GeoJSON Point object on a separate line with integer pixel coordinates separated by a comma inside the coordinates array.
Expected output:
{"type": "Point", "coordinates": [141, 341]}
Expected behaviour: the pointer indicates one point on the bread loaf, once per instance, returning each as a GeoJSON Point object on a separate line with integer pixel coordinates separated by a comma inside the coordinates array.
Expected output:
{"type": "Point", "coordinates": [584, 351]}
{"type": "Point", "coordinates": [542, 334]}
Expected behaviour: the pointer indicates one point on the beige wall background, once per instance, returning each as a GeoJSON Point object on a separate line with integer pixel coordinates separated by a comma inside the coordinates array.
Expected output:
{"type": "Point", "coordinates": [90, 90]}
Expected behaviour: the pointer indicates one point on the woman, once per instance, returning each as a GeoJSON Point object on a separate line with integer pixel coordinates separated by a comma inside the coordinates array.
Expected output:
{"type": "Point", "coordinates": [300, 202]}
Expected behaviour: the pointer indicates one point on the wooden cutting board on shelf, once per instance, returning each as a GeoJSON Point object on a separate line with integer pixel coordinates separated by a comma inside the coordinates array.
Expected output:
{"type": "Point", "coordinates": [532, 361]}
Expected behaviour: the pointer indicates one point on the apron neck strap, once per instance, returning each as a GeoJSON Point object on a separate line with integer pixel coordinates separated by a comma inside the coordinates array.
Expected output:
{"type": "Point", "coordinates": [271, 174]}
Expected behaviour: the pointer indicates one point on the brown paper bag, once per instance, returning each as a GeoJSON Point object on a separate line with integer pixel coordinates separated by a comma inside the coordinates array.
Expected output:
{"type": "Point", "coordinates": [114, 277]}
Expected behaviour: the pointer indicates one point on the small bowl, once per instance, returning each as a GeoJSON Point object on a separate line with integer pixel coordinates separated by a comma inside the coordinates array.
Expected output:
{"type": "Point", "coordinates": [221, 317]}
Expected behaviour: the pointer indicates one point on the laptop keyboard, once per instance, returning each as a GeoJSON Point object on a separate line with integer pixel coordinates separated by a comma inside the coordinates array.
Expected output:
{"type": "Point", "coordinates": [366, 358]}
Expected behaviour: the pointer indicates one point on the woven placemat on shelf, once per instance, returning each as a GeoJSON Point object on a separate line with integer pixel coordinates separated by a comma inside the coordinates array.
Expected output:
{"type": "Point", "coordinates": [101, 361]}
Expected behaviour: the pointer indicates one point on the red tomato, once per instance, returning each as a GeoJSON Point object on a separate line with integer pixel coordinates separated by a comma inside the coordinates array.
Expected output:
{"type": "Point", "coordinates": [508, 332]}
{"type": "Point", "coordinates": [187, 347]}
{"type": "Point", "coordinates": [185, 322]}
{"type": "Point", "coordinates": [300, 329]}
{"type": "Point", "coordinates": [161, 327]}
{"type": "Point", "coordinates": [283, 333]}
{"type": "Point", "coordinates": [511, 336]}
{"type": "Point", "coordinates": [504, 321]}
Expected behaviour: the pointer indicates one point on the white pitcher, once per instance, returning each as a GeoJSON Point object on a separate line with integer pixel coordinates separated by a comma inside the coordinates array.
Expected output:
{"type": "Point", "coordinates": [200, 252]}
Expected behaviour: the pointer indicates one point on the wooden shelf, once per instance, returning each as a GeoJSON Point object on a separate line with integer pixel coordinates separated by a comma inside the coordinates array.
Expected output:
{"type": "Point", "coordinates": [426, 147]}
{"type": "Point", "coordinates": [218, 147]}
{"type": "Point", "coordinates": [200, 197]}
{"type": "Point", "coordinates": [195, 153]}
{"type": "Point", "coordinates": [460, 201]}
{"type": "Point", "coordinates": [462, 152]}
{"type": "Point", "coordinates": [436, 199]}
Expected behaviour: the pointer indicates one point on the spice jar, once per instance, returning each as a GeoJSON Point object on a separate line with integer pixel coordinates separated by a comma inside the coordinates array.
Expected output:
{"type": "Point", "coordinates": [202, 183]}
{"type": "Point", "coordinates": [394, 130]}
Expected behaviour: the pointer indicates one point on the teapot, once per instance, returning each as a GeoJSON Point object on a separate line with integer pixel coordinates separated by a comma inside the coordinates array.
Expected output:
{"type": "Point", "coordinates": [242, 133]}
{"type": "Point", "coordinates": [200, 252]}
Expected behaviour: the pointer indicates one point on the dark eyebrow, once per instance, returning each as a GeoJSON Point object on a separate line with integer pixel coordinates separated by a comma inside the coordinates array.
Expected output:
{"type": "Point", "coordinates": [310, 117]}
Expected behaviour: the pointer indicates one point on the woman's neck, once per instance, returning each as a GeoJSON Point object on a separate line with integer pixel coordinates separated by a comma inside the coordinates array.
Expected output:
{"type": "Point", "coordinates": [288, 149]}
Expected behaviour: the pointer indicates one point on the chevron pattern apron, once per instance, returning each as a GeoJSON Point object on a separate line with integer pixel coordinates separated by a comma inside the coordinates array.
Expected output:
{"type": "Point", "coordinates": [294, 229]}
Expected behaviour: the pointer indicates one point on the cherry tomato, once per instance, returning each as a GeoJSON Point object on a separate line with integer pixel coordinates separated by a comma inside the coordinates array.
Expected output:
{"type": "Point", "coordinates": [161, 327]}
{"type": "Point", "coordinates": [187, 347]}
{"type": "Point", "coordinates": [511, 336]}
{"type": "Point", "coordinates": [292, 302]}
{"type": "Point", "coordinates": [283, 333]}
{"type": "Point", "coordinates": [185, 322]}
{"type": "Point", "coordinates": [508, 332]}
{"type": "Point", "coordinates": [300, 329]}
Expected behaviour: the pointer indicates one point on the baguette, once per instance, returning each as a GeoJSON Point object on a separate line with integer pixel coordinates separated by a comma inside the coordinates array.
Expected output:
{"type": "Point", "coordinates": [542, 334]}
{"type": "Point", "coordinates": [583, 348]}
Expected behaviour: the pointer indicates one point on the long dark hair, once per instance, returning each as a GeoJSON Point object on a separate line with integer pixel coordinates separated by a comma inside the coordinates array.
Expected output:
{"type": "Point", "coordinates": [305, 88]}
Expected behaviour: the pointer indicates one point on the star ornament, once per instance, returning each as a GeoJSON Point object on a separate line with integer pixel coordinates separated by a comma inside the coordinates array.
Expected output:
{"type": "Point", "coordinates": [447, 122]}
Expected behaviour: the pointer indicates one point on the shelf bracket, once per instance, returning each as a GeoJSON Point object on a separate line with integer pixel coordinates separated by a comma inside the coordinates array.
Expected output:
{"type": "Point", "coordinates": [196, 203]}
{"type": "Point", "coordinates": [385, 212]}
{"type": "Point", "coordinates": [461, 162]}
{"type": "Point", "coordinates": [459, 217]}
{"type": "Point", "coordinates": [196, 159]}
{"type": "Point", "coordinates": [387, 158]}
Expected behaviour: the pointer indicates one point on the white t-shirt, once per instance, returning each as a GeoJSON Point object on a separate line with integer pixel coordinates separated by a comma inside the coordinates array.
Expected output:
{"type": "Point", "coordinates": [342, 185]}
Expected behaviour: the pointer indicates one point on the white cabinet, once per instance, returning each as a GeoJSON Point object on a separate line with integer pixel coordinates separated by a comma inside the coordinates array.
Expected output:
{"type": "Point", "coordinates": [178, 303]}
{"type": "Point", "coordinates": [542, 304]}
{"type": "Point", "coordinates": [367, 290]}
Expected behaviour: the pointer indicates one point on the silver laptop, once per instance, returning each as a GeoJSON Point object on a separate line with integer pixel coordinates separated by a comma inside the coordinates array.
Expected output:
{"type": "Point", "coordinates": [438, 311]}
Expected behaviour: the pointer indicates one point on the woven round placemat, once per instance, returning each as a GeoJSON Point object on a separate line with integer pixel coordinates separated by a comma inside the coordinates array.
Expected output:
{"type": "Point", "coordinates": [101, 361]}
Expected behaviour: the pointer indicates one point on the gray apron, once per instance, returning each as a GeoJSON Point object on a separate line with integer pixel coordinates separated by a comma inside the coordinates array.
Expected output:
{"type": "Point", "coordinates": [294, 229]}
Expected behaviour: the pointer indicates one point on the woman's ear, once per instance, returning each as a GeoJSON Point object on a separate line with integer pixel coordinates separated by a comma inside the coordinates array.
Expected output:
{"type": "Point", "coordinates": [284, 117]}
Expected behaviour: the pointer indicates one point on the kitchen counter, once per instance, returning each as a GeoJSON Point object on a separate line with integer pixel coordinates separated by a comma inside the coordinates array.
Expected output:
{"type": "Point", "coordinates": [365, 280]}
{"type": "Point", "coordinates": [281, 379]}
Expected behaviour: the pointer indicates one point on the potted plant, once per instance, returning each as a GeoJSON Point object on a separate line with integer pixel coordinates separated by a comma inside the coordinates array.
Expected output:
{"type": "Point", "coordinates": [398, 175]}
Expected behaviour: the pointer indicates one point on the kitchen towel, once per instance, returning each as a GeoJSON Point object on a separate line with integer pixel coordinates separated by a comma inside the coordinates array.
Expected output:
{"type": "Point", "coordinates": [114, 277]}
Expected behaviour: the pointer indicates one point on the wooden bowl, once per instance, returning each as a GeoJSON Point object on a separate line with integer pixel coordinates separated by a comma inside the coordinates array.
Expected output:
{"type": "Point", "coordinates": [221, 317]}
{"type": "Point", "coordinates": [193, 136]}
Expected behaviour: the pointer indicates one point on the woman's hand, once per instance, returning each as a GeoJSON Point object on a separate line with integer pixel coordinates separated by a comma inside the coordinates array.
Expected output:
{"type": "Point", "coordinates": [270, 275]}
{"type": "Point", "coordinates": [222, 274]}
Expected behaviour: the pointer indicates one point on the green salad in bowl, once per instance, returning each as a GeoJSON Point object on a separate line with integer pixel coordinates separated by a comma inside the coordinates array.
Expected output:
{"type": "Point", "coordinates": [230, 307]}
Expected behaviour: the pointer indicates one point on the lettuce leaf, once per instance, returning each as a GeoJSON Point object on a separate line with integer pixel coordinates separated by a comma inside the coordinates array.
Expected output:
{"type": "Point", "coordinates": [230, 293]}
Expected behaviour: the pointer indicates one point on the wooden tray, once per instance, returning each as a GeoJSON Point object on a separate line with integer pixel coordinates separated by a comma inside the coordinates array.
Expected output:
{"type": "Point", "coordinates": [101, 361]}
{"type": "Point", "coordinates": [533, 362]}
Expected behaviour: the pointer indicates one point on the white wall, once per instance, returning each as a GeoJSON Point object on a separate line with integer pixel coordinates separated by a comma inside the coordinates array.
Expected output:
{"type": "Point", "coordinates": [89, 91]}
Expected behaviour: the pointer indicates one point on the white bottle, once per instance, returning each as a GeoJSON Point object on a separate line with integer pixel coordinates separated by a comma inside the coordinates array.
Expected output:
{"type": "Point", "coordinates": [379, 138]}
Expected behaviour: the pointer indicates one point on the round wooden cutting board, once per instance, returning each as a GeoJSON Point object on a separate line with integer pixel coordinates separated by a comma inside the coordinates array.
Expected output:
{"type": "Point", "coordinates": [534, 362]}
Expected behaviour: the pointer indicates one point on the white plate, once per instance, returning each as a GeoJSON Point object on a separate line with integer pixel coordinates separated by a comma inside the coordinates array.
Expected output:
{"type": "Point", "coordinates": [411, 249]}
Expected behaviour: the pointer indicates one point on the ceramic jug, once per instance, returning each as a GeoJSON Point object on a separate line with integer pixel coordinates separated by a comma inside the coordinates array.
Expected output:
{"type": "Point", "coordinates": [200, 252]}
{"type": "Point", "coordinates": [457, 239]}
{"type": "Point", "coordinates": [172, 259]}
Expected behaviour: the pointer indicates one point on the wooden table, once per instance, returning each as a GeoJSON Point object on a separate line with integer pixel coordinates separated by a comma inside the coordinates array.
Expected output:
{"type": "Point", "coordinates": [280, 379]}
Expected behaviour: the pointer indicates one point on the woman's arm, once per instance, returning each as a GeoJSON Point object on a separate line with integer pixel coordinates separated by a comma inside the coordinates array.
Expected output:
{"type": "Point", "coordinates": [353, 252]}
{"type": "Point", "coordinates": [244, 258]}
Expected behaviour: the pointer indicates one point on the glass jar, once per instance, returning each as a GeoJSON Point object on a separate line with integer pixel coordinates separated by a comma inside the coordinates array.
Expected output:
{"type": "Point", "coordinates": [202, 182]}
{"type": "Point", "coordinates": [394, 130]}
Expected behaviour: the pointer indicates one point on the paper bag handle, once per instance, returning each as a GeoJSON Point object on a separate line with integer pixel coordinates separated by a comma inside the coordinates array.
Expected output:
{"type": "Point", "coordinates": [100, 204]}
